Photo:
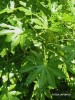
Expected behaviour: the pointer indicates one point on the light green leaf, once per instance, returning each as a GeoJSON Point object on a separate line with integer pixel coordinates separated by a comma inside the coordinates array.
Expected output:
{"type": "Point", "coordinates": [15, 93]}
{"type": "Point", "coordinates": [3, 11]}
{"type": "Point", "coordinates": [22, 3]}
{"type": "Point", "coordinates": [38, 27]}
{"type": "Point", "coordinates": [6, 32]}
{"type": "Point", "coordinates": [37, 21]}
{"type": "Point", "coordinates": [7, 26]}
{"type": "Point", "coordinates": [11, 87]}
{"type": "Point", "coordinates": [9, 37]}
{"type": "Point", "coordinates": [68, 17]}
{"type": "Point", "coordinates": [71, 69]}
{"type": "Point", "coordinates": [4, 52]}
{"type": "Point", "coordinates": [23, 40]}
{"type": "Point", "coordinates": [15, 41]}
{"type": "Point", "coordinates": [26, 11]}
{"type": "Point", "coordinates": [4, 97]}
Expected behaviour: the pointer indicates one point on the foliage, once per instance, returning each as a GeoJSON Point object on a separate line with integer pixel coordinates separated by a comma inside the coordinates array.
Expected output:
{"type": "Point", "coordinates": [37, 48]}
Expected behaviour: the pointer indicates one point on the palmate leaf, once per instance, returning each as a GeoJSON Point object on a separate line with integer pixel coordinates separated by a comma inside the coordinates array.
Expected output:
{"type": "Point", "coordinates": [40, 22]}
{"type": "Point", "coordinates": [14, 21]}
{"type": "Point", "coordinates": [12, 32]}
{"type": "Point", "coordinates": [10, 29]}
{"type": "Point", "coordinates": [34, 74]}
{"type": "Point", "coordinates": [44, 76]}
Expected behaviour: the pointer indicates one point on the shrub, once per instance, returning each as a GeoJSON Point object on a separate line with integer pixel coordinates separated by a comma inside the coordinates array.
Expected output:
{"type": "Point", "coordinates": [37, 49]}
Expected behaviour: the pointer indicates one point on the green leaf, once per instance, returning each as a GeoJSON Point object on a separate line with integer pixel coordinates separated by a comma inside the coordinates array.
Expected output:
{"type": "Point", "coordinates": [4, 52]}
{"type": "Point", "coordinates": [71, 69]}
{"type": "Point", "coordinates": [40, 22]}
{"type": "Point", "coordinates": [23, 40]}
{"type": "Point", "coordinates": [10, 97]}
{"type": "Point", "coordinates": [27, 68]}
{"type": "Point", "coordinates": [42, 78]}
{"type": "Point", "coordinates": [57, 72]}
{"type": "Point", "coordinates": [68, 17]}
{"type": "Point", "coordinates": [70, 56]}
{"type": "Point", "coordinates": [9, 37]}
{"type": "Point", "coordinates": [73, 94]}
{"type": "Point", "coordinates": [33, 75]}
{"type": "Point", "coordinates": [15, 93]}
{"type": "Point", "coordinates": [48, 94]}
{"type": "Point", "coordinates": [37, 21]}
{"type": "Point", "coordinates": [7, 26]}
{"type": "Point", "coordinates": [50, 78]}
{"type": "Point", "coordinates": [11, 87]}
{"type": "Point", "coordinates": [16, 41]}
{"type": "Point", "coordinates": [6, 32]}
{"type": "Point", "coordinates": [38, 27]}
{"type": "Point", "coordinates": [3, 11]}
{"type": "Point", "coordinates": [42, 96]}
{"type": "Point", "coordinates": [4, 97]}
{"type": "Point", "coordinates": [32, 59]}
{"type": "Point", "coordinates": [22, 3]}
{"type": "Point", "coordinates": [0, 73]}
{"type": "Point", "coordinates": [26, 11]}
{"type": "Point", "coordinates": [11, 29]}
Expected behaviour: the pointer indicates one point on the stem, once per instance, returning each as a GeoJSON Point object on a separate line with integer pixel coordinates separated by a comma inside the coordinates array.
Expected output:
{"type": "Point", "coordinates": [45, 55]}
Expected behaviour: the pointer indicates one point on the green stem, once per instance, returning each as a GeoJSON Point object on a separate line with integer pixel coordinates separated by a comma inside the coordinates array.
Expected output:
{"type": "Point", "coordinates": [45, 55]}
